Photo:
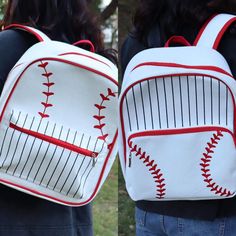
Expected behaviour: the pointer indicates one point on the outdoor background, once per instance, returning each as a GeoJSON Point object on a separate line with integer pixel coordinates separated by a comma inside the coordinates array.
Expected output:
{"type": "Point", "coordinates": [109, 216]}
{"type": "Point", "coordinates": [105, 206]}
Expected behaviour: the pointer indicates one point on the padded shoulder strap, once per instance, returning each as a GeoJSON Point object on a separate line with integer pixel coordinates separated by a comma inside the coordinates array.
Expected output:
{"type": "Point", "coordinates": [37, 33]}
{"type": "Point", "coordinates": [212, 32]}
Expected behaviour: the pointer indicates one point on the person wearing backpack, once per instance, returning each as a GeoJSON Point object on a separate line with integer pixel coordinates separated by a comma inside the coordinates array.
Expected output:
{"type": "Point", "coordinates": [154, 23]}
{"type": "Point", "coordinates": [66, 21]}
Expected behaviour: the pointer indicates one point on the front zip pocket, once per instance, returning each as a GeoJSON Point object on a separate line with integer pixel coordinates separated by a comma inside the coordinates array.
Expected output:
{"type": "Point", "coordinates": [181, 164]}
{"type": "Point", "coordinates": [55, 141]}
{"type": "Point", "coordinates": [43, 153]}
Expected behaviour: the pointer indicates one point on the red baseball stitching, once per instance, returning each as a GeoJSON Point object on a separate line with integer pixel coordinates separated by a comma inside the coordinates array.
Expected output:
{"type": "Point", "coordinates": [99, 117]}
{"type": "Point", "coordinates": [205, 164]}
{"type": "Point", "coordinates": [47, 93]}
{"type": "Point", "coordinates": [155, 172]}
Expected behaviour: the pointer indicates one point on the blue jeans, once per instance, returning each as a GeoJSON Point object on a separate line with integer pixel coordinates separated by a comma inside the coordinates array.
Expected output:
{"type": "Point", "coordinates": [153, 224]}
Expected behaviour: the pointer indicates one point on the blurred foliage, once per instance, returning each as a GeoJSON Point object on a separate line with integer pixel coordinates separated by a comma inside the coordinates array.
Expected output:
{"type": "Point", "coordinates": [108, 17]}
{"type": "Point", "coordinates": [2, 5]}
{"type": "Point", "coordinates": [105, 207]}
{"type": "Point", "coordinates": [126, 10]}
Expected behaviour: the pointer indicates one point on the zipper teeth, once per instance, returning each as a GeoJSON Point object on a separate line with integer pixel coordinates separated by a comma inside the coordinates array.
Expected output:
{"type": "Point", "coordinates": [55, 141]}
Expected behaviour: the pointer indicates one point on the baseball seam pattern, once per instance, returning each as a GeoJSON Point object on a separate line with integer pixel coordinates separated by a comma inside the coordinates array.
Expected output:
{"type": "Point", "coordinates": [154, 170]}
{"type": "Point", "coordinates": [48, 93]}
{"type": "Point", "coordinates": [99, 117]}
{"type": "Point", "coordinates": [205, 164]}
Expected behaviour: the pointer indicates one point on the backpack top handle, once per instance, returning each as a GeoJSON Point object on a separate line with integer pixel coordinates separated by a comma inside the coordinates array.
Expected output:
{"type": "Point", "coordinates": [37, 33]}
{"type": "Point", "coordinates": [85, 42]}
{"type": "Point", "coordinates": [177, 40]}
{"type": "Point", "coordinates": [212, 32]}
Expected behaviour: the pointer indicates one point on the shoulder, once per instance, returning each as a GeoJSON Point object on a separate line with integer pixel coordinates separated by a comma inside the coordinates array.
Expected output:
{"type": "Point", "coordinates": [13, 44]}
{"type": "Point", "coordinates": [132, 45]}
{"type": "Point", "coordinates": [10, 38]}
{"type": "Point", "coordinates": [129, 49]}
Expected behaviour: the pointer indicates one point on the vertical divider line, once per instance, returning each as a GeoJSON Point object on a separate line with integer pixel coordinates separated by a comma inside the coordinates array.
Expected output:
{"type": "Point", "coordinates": [196, 95]}
{"type": "Point", "coordinates": [211, 101]}
{"type": "Point", "coordinates": [166, 105]}
{"type": "Point", "coordinates": [54, 152]}
{"type": "Point", "coordinates": [5, 135]}
{"type": "Point", "coordinates": [219, 101]}
{"type": "Point", "coordinates": [150, 100]}
{"type": "Point", "coordinates": [86, 178]}
{"type": "Point", "coordinates": [227, 104]}
{"type": "Point", "coordinates": [204, 99]}
{"type": "Point", "coordinates": [76, 159]}
{"type": "Point", "coordinates": [23, 147]}
{"type": "Point", "coordinates": [11, 140]}
{"type": "Point", "coordinates": [181, 101]}
{"type": "Point", "coordinates": [127, 107]}
{"type": "Point", "coordinates": [45, 153]}
{"type": "Point", "coordinates": [135, 108]}
{"type": "Point", "coordinates": [141, 93]}
{"type": "Point", "coordinates": [36, 157]}
{"type": "Point", "coordinates": [59, 159]}
{"type": "Point", "coordinates": [158, 103]}
{"type": "Point", "coordinates": [17, 143]}
{"type": "Point", "coordinates": [189, 109]}
{"type": "Point", "coordinates": [173, 99]}
{"type": "Point", "coordinates": [65, 163]}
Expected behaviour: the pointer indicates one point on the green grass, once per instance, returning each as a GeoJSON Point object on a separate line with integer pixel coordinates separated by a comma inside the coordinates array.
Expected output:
{"type": "Point", "coordinates": [105, 206]}
{"type": "Point", "coordinates": [106, 211]}
{"type": "Point", "coordinates": [126, 210]}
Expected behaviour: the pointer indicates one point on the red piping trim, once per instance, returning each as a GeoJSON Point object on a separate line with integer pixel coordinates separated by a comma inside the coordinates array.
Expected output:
{"type": "Point", "coordinates": [177, 40]}
{"type": "Point", "coordinates": [66, 202]}
{"type": "Point", "coordinates": [111, 145]}
{"type": "Point", "coordinates": [52, 59]}
{"type": "Point", "coordinates": [55, 141]}
{"type": "Point", "coordinates": [26, 29]}
{"type": "Point", "coordinates": [213, 68]}
{"type": "Point", "coordinates": [85, 41]}
{"type": "Point", "coordinates": [203, 29]}
{"type": "Point", "coordinates": [80, 54]}
{"type": "Point", "coordinates": [156, 77]}
{"type": "Point", "coordinates": [181, 131]}
{"type": "Point", "coordinates": [222, 32]}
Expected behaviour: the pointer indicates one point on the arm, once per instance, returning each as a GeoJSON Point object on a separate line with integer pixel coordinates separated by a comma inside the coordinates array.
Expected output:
{"type": "Point", "coordinates": [13, 44]}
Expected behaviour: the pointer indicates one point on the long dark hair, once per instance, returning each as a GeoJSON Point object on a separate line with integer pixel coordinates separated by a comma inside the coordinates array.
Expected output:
{"type": "Point", "coordinates": [176, 17]}
{"type": "Point", "coordinates": [63, 20]}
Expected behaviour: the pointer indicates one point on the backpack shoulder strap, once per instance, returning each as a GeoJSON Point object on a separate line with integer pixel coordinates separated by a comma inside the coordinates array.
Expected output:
{"type": "Point", "coordinates": [212, 32]}
{"type": "Point", "coordinates": [37, 33]}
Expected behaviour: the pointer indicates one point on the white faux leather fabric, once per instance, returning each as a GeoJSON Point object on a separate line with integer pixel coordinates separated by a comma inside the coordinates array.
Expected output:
{"type": "Point", "coordinates": [58, 123]}
{"type": "Point", "coordinates": [177, 123]}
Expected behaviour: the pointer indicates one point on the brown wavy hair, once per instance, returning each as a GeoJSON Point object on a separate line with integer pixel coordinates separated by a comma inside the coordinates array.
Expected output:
{"type": "Point", "coordinates": [176, 17]}
{"type": "Point", "coordinates": [63, 20]}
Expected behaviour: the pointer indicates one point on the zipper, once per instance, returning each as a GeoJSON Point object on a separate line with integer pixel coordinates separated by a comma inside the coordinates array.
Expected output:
{"type": "Point", "coordinates": [180, 131]}
{"type": "Point", "coordinates": [56, 141]}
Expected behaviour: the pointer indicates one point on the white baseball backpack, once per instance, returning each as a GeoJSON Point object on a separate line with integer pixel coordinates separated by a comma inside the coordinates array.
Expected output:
{"type": "Point", "coordinates": [177, 120]}
{"type": "Point", "coordinates": [58, 122]}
